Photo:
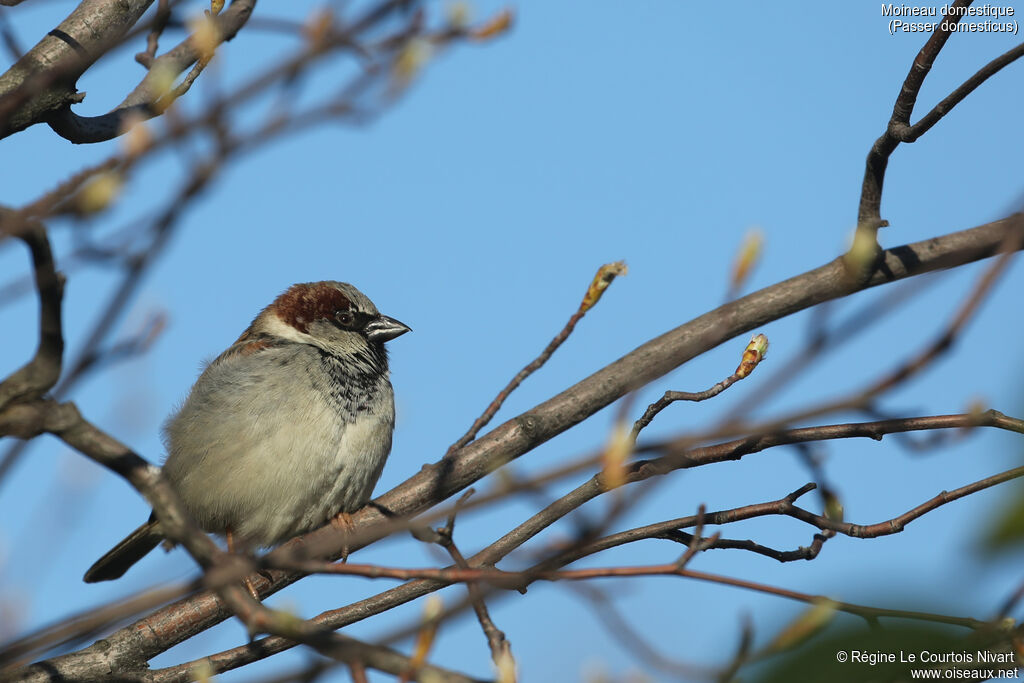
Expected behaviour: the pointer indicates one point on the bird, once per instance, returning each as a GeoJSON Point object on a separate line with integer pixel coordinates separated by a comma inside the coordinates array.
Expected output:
{"type": "Point", "coordinates": [284, 431]}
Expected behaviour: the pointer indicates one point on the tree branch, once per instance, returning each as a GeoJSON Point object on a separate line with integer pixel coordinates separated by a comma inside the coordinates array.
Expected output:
{"type": "Point", "coordinates": [149, 98]}
{"type": "Point", "coordinates": [899, 128]}
{"type": "Point", "coordinates": [44, 79]}
{"type": "Point", "coordinates": [600, 282]}
{"type": "Point", "coordinates": [910, 133]}
{"type": "Point", "coordinates": [42, 372]}
{"type": "Point", "coordinates": [130, 640]}
{"type": "Point", "coordinates": [869, 212]}
{"type": "Point", "coordinates": [506, 442]}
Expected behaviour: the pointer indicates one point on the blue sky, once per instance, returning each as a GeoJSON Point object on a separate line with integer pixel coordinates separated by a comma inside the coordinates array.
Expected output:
{"type": "Point", "coordinates": [477, 210]}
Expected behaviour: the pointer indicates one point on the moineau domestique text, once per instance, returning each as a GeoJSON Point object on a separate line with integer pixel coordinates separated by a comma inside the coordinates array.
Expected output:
{"type": "Point", "coordinates": [947, 11]}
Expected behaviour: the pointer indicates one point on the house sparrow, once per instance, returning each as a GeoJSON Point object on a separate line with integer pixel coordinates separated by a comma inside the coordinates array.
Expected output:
{"type": "Point", "coordinates": [286, 429]}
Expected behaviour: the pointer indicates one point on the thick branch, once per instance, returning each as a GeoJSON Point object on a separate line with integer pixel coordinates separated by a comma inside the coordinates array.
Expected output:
{"type": "Point", "coordinates": [667, 352]}
{"type": "Point", "coordinates": [159, 626]}
{"type": "Point", "coordinates": [346, 649]}
{"type": "Point", "coordinates": [88, 623]}
{"type": "Point", "coordinates": [145, 101]}
{"type": "Point", "coordinates": [44, 79]}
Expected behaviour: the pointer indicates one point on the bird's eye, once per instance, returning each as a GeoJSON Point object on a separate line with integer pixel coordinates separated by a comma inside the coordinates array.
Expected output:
{"type": "Point", "coordinates": [344, 317]}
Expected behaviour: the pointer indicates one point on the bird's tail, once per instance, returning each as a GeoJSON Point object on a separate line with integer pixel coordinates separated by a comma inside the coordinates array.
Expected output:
{"type": "Point", "coordinates": [126, 553]}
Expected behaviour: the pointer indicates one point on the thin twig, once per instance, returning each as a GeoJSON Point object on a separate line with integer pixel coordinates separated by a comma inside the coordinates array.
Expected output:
{"type": "Point", "coordinates": [785, 506]}
{"type": "Point", "coordinates": [696, 542]}
{"type": "Point", "coordinates": [1011, 601]}
{"type": "Point", "coordinates": [10, 40]}
{"type": "Point", "coordinates": [356, 654]}
{"type": "Point", "coordinates": [717, 543]}
{"type": "Point", "coordinates": [496, 640]}
{"type": "Point", "coordinates": [944, 341]}
{"type": "Point", "coordinates": [753, 354]}
{"type": "Point", "coordinates": [237, 657]}
{"type": "Point", "coordinates": [941, 344]}
{"type": "Point", "coordinates": [910, 133]}
{"type": "Point", "coordinates": [623, 633]}
{"type": "Point", "coordinates": [509, 579]}
{"type": "Point", "coordinates": [603, 278]}
{"type": "Point", "coordinates": [743, 650]}
{"type": "Point", "coordinates": [822, 340]}
{"type": "Point", "coordinates": [358, 671]}
{"type": "Point", "coordinates": [899, 523]}
{"type": "Point", "coordinates": [148, 98]}
{"type": "Point", "coordinates": [163, 14]}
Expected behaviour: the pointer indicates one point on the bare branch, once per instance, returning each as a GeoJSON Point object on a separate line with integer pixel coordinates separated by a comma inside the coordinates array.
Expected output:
{"type": "Point", "coordinates": [696, 543]}
{"type": "Point", "coordinates": [944, 341]}
{"type": "Point", "coordinates": [496, 640]}
{"type": "Point", "coordinates": [670, 529]}
{"type": "Point", "coordinates": [752, 355]}
{"type": "Point", "coordinates": [434, 579]}
{"type": "Point", "coordinates": [910, 133]}
{"type": "Point", "coordinates": [10, 40]}
{"type": "Point", "coordinates": [803, 553]}
{"type": "Point", "coordinates": [899, 523]}
{"type": "Point", "coordinates": [899, 128]}
{"type": "Point", "coordinates": [163, 14]}
{"type": "Point", "coordinates": [603, 278]}
{"type": "Point", "coordinates": [355, 652]}
{"type": "Point", "coordinates": [510, 579]}
{"type": "Point", "coordinates": [64, 421]}
{"type": "Point", "coordinates": [436, 482]}
{"type": "Point", "coordinates": [87, 624]}
{"type": "Point", "coordinates": [43, 80]}
{"type": "Point", "coordinates": [624, 634]}
{"type": "Point", "coordinates": [863, 611]}
{"type": "Point", "coordinates": [130, 281]}
{"type": "Point", "coordinates": [940, 345]}
{"type": "Point", "coordinates": [149, 98]}
{"type": "Point", "coordinates": [869, 213]}
{"type": "Point", "coordinates": [40, 374]}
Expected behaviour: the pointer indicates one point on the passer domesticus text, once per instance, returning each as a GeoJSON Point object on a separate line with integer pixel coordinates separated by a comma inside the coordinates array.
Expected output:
{"type": "Point", "coordinates": [287, 428]}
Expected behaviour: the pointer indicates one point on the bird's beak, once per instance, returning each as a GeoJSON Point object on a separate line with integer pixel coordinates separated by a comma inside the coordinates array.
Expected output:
{"type": "Point", "coordinates": [382, 329]}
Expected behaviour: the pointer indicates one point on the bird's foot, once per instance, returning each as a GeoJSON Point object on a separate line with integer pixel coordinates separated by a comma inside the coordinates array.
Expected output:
{"type": "Point", "coordinates": [343, 522]}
